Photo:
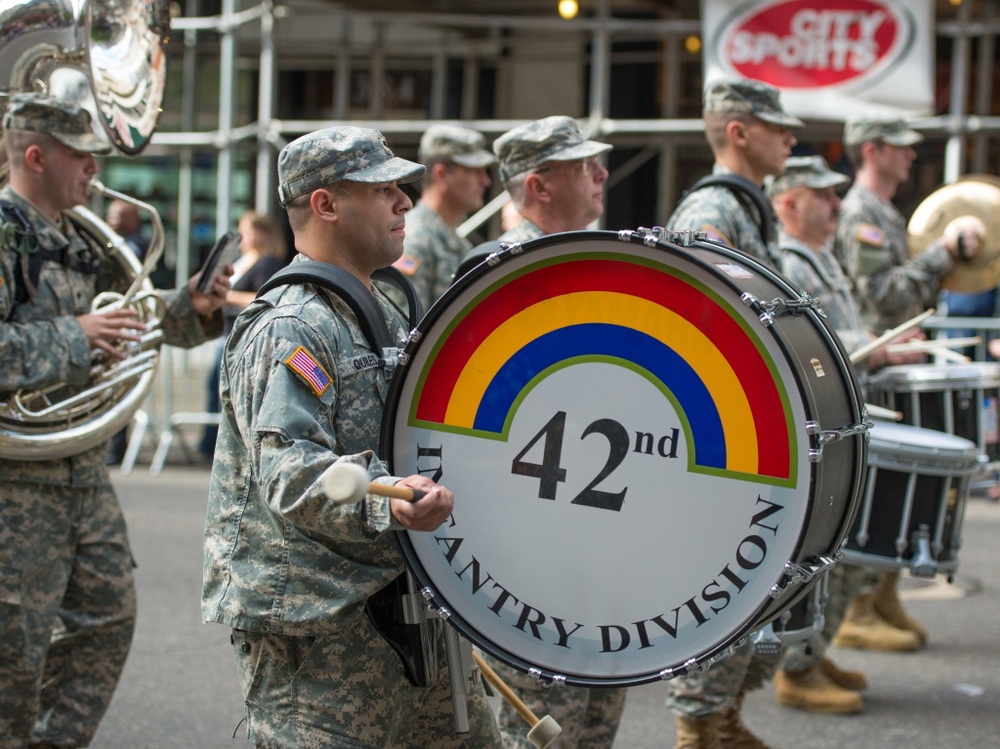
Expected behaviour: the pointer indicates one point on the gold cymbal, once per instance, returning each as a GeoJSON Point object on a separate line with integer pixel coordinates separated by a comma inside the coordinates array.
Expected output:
{"type": "Point", "coordinates": [975, 195]}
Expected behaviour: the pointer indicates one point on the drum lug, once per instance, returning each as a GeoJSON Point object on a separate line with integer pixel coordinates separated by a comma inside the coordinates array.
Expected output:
{"type": "Point", "coordinates": [765, 643]}
{"type": "Point", "coordinates": [824, 437]}
{"type": "Point", "coordinates": [801, 573]}
{"type": "Point", "coordinates": [923, 564]}
{"type": "Point", "coordinates": [767, 311]}
{"type": "Point", "coordinates": [654, 234]}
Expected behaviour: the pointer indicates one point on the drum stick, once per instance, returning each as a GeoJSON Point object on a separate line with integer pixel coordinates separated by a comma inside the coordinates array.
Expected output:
{"type": "Point", "coordinates": [878, 412]}
{"type": "Point", "coordinates": [347, 483]}
{"type": "Point", "coordinates": [935, 345]}
{"type": "Point", "coordinates": [865, 351]}
{"type": "Point", "coordinates": [543, 731]}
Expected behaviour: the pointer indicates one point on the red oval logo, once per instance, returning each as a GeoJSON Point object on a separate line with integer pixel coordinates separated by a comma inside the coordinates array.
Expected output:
{"type": "Point", "coordinates": [796, 44]}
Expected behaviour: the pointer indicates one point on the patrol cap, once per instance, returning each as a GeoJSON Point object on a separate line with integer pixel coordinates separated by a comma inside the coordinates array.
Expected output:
{"type": "Point", "coordinates": [556, 138]}
{"type": "Point", "coordinates": [339, 153]}
{"type": "Point", "coordinates": [858, 130]}
{"type": "Point", "coordinates": [755, 98]}
{"type": "Point", "coordinates": [811, 171]}
{"type": "Point", "coordinates": [462, 145]}
{"type": "Point", "coordinates": [68, 123]}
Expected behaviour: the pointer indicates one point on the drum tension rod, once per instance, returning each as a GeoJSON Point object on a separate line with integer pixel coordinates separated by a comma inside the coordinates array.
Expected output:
{"type": "Point", "coordinates": [767, 311]}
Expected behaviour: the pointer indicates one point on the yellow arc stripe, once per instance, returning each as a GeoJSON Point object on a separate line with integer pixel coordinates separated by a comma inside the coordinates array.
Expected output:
{"type": "Point", "coordinates": [628, 311]}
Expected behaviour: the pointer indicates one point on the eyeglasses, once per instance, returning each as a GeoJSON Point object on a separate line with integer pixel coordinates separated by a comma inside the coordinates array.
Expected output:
{"type": "Point", "coordinates": [588, 166]}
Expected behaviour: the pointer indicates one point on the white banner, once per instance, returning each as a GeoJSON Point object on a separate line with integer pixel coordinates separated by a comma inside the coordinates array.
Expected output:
{"type": "Point", "coordinates": [830, 58]}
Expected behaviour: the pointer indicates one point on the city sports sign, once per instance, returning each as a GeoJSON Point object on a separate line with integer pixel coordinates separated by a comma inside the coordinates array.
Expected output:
{"type": "Point", "coordinates": [830, 58]}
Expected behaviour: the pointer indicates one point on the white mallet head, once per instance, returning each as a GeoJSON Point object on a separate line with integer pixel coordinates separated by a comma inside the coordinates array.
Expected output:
{"type": "Point", "coordinates": [345, 483]}
{"type": "Point", "coordinates": [544, 732]}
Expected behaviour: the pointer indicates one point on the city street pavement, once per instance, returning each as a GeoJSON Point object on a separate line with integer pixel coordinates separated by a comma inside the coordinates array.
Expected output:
{"type": "Point", "coordinates": [179, 686]}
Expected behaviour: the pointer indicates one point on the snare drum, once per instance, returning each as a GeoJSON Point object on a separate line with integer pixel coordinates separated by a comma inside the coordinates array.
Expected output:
{"type": "Point", "coordinates": [914, 500]}
{"type": "Point", "coordinates": [654, 451]}
{"type": "Point", "coordinates": [959, 399]}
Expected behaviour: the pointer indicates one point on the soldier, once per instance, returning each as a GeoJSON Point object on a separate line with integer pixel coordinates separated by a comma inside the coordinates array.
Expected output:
{"type": "Point", "coordinates": [453, 187]}
{"type": "Point", "coordinates": [67, 597]}
{"type": "Point", "coordinates": [556, 181]}
{"type": "Point", "coordinates": [890, 288]}
{"type": "Point", "coordinates": [807, 205]}
{"type": "Point", "coordinates": [750, 135]}
{"type": "Point", "coordinates": [289, 571]}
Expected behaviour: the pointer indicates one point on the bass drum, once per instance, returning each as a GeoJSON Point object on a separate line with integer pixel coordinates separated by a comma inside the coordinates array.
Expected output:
{"type": "Point", "coordinates": [655, 450]}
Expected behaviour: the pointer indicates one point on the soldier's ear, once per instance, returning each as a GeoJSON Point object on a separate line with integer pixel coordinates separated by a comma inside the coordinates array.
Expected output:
{"type": "Point", "coordinates": [537, 187]}
{"type": "Point", "coordinates": [325, 204]}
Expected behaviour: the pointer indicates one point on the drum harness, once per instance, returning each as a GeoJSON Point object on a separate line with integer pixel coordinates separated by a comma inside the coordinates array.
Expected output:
{"type": "Point", "coordinates": [750, 196]}
{"type": "Point", "coordinates": [394, 610]}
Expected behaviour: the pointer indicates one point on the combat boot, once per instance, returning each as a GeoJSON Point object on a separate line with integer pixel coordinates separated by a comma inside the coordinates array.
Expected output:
{"type": "Point", "coordinates": [733, 734]}
{"type": "Point", "coordinates": [842, 677]}
{"type": "Point", "coordinates": [890, 608]}
{"type": "Point", "coordinates": [698, 733]}
{"type": "Point", "coordinates": [863, 628]}
{"type": "Point", "coordinates": [814, 691]}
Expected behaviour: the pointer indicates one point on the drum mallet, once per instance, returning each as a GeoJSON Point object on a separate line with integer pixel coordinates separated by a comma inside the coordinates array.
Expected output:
{"type": "Point", "coordinates": [543, 731]}
{"type": "Point", "coordinates": [347, 483]}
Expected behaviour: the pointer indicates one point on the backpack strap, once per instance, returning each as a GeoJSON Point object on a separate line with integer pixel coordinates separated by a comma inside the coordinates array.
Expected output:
{"type": "Point", "coordinates": [744, 190]}
{"type": "Point", "coordinates": [397, 280]}
{"type": "Point", "coordinates": [354, 293]}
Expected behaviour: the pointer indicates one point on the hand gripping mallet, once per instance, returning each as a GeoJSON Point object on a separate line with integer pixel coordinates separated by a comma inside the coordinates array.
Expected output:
{"type": "Point", "coordinates": [543, 731]}
{"type": "Point", "coordinates": [346, 483]}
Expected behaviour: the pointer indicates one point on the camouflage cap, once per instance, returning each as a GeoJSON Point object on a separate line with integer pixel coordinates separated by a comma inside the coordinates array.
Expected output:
{"type": "Point", "coordinates": [462, 145]}
{"type": "Point", "coordinates": [755, 98]}
{"type": "Point", "coordinates": [350, 153]}
{"type": "Point", "coordinates": [811, 171]}
{"type": "Point", "coordinates": [68, 123]}
{"type": "Point", "coordinates": [556, 138]}
{"type": "Point", "coordinates": [858, 130]}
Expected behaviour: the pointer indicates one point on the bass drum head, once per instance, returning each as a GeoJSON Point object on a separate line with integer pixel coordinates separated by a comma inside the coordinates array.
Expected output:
{"type": "Point", "coordinates": [627, 443]}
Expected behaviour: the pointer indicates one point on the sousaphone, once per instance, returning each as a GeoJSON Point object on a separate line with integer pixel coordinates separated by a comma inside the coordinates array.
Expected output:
{"type": "Point", "coordinates": [976, 195]}
{"type": "Point", "coordinates": [110, 57]}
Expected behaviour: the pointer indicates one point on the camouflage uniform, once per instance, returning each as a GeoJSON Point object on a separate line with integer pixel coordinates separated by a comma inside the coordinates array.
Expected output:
{"type": "Point", "coordinates": [287, 569]}
{"type": "Point", "coordinates": [432, 249]}
{"type": "Point", "coordinates": [433, 252]}
{"type": "Point", "coordinates": [816, 272]}
{"type": "Point", "coordinates": [871, 242]}
{"type": "Point", "coordinates": [589, 717]}
{"type": "Point", "coordinates": [717, 211]}
{"type": "Point", "coordinates": [67, 597]}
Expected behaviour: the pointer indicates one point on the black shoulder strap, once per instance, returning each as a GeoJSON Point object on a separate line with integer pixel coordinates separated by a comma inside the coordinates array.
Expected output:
{"type": "Point", "coordinates": [741, 186]}
{"type": "Point", "coordinates": [807, 256]}
{"type": "Point", "coordinates": [395, 278]}
{"type": "Point", "coordinates": [347, 287]}
{"type": "Point", "coordinates": [475, 256]}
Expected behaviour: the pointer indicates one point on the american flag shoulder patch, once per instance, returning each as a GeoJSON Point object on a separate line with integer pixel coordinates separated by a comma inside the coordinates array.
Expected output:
{"type": "Point", "coordinates": [871, 235]}
{"type": "Point", "coordinates": [305, 366]}
{"type": "Point", "coordinates": [407, 265]}
{"type": "Point", "coordinates": [715, 235]}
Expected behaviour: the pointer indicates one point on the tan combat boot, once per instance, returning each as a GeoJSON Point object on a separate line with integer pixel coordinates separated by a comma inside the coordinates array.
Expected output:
{"type": "Point", "coordinates": [698, 733]}
{"type": "Point", "coordinates": [842, 677]}
{"type": "Point", "coordinates": [733, 734]}
{"type": "Point", "coordinates": [890, 608]}
{"type": "Point", "coordinates": [863, 628]}
{"type": "Point", "coordinates": [814, 691]}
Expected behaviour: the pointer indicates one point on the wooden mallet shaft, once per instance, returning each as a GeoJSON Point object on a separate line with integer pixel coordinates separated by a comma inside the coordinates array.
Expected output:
{"type": "Point", "coordinates": [347, 483]}
{"type": "Point", "coordinates": [543, 731]}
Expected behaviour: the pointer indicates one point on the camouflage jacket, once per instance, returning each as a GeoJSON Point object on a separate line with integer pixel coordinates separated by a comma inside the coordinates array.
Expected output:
{"type": "Point", "coordinates": [301, 389]}
{"type": "Point", "coordinates": [817, 274]}
{"type": "Point", "coordinates": [717, 211]}
{"type": "Point", "coordinates": [871, 247]}
{"type": "Point", "coordinates": [431, 254]}
{"type": "Point", "coordinates": [41, 343]}
{"type": "Point", "coordinates": [521, 233]}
